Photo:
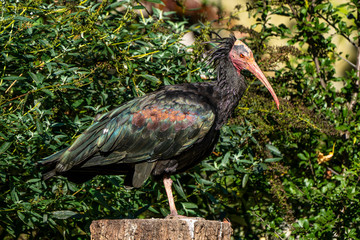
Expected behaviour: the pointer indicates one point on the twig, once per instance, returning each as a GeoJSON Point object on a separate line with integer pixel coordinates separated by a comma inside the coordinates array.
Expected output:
{"type": "Point", "coordinates": [292, 9]}
{"type": "Point", "coordinates": [317, 65]}
{"type": "Point", "coordinates": [353, 65]}
{"type": "Point", "coordinates": [147, 11]}
{"type": "Point", "coordinates": [337, 30]}
{"type": "Point", "coordinates": [312, 170]}
{"type": "Point", "coordinates": [357, 83]}
{"type": "Point", "coordinates": [22, 95]}
{"type": "Point", "coordinates": [11, 85]}
{"type": "Point", "coordinates": [332, 170]}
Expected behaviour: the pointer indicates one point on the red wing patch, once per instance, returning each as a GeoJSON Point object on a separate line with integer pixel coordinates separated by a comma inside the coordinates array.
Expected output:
{"type": "Point", "coordinates": [138, 119]}
{"type": "Point", "coordinates": [181, 120]}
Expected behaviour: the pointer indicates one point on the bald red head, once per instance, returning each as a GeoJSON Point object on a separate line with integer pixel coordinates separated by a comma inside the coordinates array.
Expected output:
{"type": "Point", "coordinates": [242, 58]}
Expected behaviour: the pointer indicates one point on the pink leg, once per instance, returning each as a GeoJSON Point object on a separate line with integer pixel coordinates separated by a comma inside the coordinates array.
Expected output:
{"type": "Point", "coordinates": [167, 183]}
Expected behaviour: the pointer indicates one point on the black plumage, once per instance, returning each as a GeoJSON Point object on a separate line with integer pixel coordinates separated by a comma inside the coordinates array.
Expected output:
{"type": "Point", "coordinates": [164, 132]}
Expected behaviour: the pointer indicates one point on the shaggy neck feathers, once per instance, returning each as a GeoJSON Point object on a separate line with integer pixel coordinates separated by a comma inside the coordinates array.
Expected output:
{"type": "Point", "coordinates": [230, 84]}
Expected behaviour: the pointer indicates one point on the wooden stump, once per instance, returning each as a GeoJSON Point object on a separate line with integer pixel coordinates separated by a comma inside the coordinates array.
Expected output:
{"type": "Point", "coordinates": [160, 229]}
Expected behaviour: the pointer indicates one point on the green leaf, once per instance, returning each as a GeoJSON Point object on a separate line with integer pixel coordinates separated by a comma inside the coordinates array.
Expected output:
{"type": "Point", "coordinates": [151, 78]}
{"type": "Point", "coordinates": [48, 92]}
{"type": "Point", "coordinates": [33, 180]}
{"type": "Point", "coordinates": [153, 210]}
{"type": "Point", "coordinates": [21, 216]}
{"type": "Point", "coordinates": [13, 78]}
{"type": "Point", "coordinates": [225, 160]}
{"type": "Point", "coordinates": [77, 103]}
{"type": "Point", "coordinates": [14, 195]}
{"type": "Point", "coordinates": [180, 190]}
{"type": "Point", "coordinates": [21, 18]}
{"type": "Point", "coordinates": [246, 161]}
{"type": "Point", "coordinates": [204, 181]}
{"type": "Point", "coordinates": [272, 159]}
{"type": "Point", "coordinates": [274, 150]}
{"type": "Point", "coordinates": [63, 214]}
{"type": "Point", "coordinates": [187, 205]}
{"type": "Point", "coordinates": [115, 5]}
{"type": "Point", "coordinates": [155, 1]}
{"type": "Point", "coordinates": [164, 211]}
{"type": "Point", "coordinates": [245, 180]}
{"type": "Point", "coordinates": [5, 146]}
{"type": "Point", "coordinates": [304, 223]}
{"type": "Point", "coordinates": [140, 7]}
{"type": "Point", "coordinates": [302, 156]}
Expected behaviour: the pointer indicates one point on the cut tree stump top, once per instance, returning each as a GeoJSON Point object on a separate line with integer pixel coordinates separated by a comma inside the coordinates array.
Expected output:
{"type": "Point", "coordinates": [160, 229]}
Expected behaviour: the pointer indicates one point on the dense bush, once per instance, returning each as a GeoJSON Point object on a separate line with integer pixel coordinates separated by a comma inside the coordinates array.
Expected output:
{"type": "Point", "coordinates": [310, 198]}
{"type": "Point", "coordinates": [64, 63]}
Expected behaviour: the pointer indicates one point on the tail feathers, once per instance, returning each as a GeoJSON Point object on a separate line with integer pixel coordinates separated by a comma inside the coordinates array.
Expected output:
{"type": "Point", "coordinates": [52, 159]}
{"type": "Point", "coordinates": [50, 164]}
{"type": "Point", "coordinates": [49, 174]}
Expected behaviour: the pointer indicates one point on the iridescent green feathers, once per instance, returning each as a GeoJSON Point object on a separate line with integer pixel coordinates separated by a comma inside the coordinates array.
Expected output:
{"type": "Point", "coordinates": [160, 134]}
{"type": "Point", "coordinates": [158, 126]}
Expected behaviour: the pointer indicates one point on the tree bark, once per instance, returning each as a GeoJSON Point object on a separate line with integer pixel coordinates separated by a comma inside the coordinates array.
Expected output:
{"type": "Point", "coordinates": [160, 229]}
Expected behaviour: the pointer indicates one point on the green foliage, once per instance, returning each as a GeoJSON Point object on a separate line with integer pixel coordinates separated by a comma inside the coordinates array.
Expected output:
{"type": "Point", "coordinates": [61, 66]}
{"type": "Point", "coordinates": [64, 63]}
{"type": "Point", "coordinates": [309, 200]}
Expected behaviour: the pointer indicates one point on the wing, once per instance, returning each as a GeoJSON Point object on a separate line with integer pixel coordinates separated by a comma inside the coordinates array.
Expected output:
{"type": "Point", "coordinates": [157, 126]}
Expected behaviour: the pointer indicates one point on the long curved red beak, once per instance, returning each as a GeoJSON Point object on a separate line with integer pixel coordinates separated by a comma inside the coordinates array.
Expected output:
{"type": "Point", "coordinates": [254, 68]}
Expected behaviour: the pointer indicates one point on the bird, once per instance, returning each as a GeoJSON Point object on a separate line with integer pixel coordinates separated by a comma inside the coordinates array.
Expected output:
{"type": "Point", "coordinates": [164, 132]}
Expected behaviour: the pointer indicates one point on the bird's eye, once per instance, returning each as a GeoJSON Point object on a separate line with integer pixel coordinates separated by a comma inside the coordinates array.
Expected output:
{"type": "Point", "coordinates": [242, 55]}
